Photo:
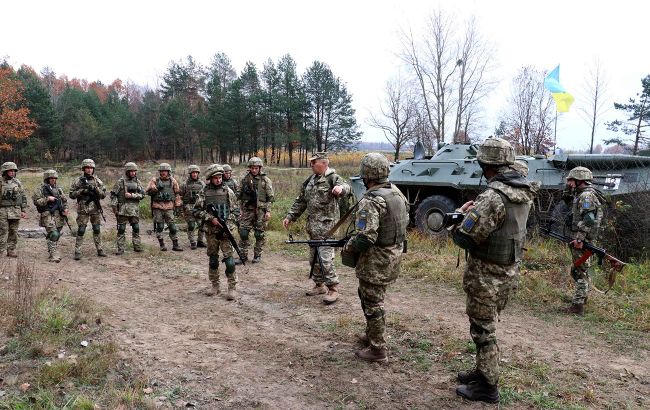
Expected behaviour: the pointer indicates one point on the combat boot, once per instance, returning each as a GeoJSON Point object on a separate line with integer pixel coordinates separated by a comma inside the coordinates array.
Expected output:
{"type": "Point", "coordinates": [11, 253]}
{"type": "Point", "coordinates": [240, 262]}
{"type": "Point", "coordinates": [163, 248]}
{"type": "Point", "coordinates": [201, 244]}
{"type": "Point", "coordinates": [192, 245]}
{"type": "Point", "coordinates": [100, 252]}
{"type": "Point", "coordinates": [318, 289]}
{"type": "Point", "coordinates": [54, 257]}
{"type": "Point", "coordinates": [175, 246]}
{"type": "Point", "coordinates": [362, 338]}
{"type": "Point", "coordinates": [372, 354]}
{"type": "Point", "coordinates": [576, 309]}
{"type": "Point", "coordinates": [137, 248]}
{"type": "Point", "coordinates": [332, 295]}
{"type": "Point", "coordinates": [214, 290]}
{"type": "Point", "coordinates": [119, 252]}
{"type": "Point", "coordinates": [77, 256]}
{"type": "Point", "coordinates": [257, 259]}
{"type": "Point", "coordinates": [479, 390]}
{"type": "Point", "coordinates": [231, 294]}
{"type": "Point", "coordinates": [469, 376]}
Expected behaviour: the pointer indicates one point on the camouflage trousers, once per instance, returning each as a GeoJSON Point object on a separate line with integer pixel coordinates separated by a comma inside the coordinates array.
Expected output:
{"type": "Point", "coordinates": [251, 220]}
{"type": "Point", "coordinates": [134, 221]}
{"type": "Point", "coordinates": [488, 287]}
{"type": "Point", "coordinates": [372, 303]}
{"type": "Point", "coordinates": [580, 275]}
{"type": "Point", "coordinates": [8, 234]}
{"type": "Point", "coordinates": [82, 221]}
{"type": "Point", "coordinates": [327, 275]}
{"type": "Point", "coordinates": [162, 217]}
{"type": "Point", "coordinates": [53, 225]}
{"type": "Point", "coordinates": [194, 229]}
{"type": "Point", "coordinates": [215, 244]}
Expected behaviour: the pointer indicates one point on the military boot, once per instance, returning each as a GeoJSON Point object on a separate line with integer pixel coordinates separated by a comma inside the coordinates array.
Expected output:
{"type": "Point", "coordinates": [192, 245]}
{"type": "Point", "coordinates": [176, 247]}
{"type": "Point", "coordinates": [318, 289]}
{"type": "Point", "coordinates": [161, 241]}
{"type": "Point", "coordinates": [77, 255]}
{"type": "Point", "coordinates": [214, 290]}
{"type": "Point", "coordinates": [576, 309]}
{"type": "Point", "coordinates": [201, 244]}
{"type": "Point", "coordinates": [362, 339]}
{"type": "Point", "coordinates": [372, 354]}
{"type": "Point", "coordinates": [479, 390]}
{"type": "Point", "coordinates": [257, 259]}
{"type": "Point", "coordinates": [469, 376]}
{"type": "Point", "coordinates": [231, 294]}
{"type": "Point", "coordinates": [119, 252]}
{"type": "Point", "coordinates": [100, 252]}
{"type": "Point", "coordinates": [11, 253]}
{"type": "Point", "coordinates": [239, 262]}
{"type": "Point", "coordinates": [54, 256]}
{"type": "Point", "coordinates": [332, 295]}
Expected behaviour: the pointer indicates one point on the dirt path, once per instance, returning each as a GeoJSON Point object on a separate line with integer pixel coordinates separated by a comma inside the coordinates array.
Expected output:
{"type": "Point", "coordinates": [275, 348]}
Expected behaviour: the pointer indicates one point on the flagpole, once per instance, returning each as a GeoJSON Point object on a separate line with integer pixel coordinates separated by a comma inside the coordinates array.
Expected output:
{"type": "Point", "coordinates": [555, 133]}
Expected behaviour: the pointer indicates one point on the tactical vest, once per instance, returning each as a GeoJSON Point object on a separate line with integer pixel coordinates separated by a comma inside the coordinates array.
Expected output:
{"type": "Point", "coordinates": [219, 197]}
{"type": "Point", "coordinates": [166, 194]}
{"type": "Point", "coordinates": [132, 186]}
{"type": "Point", "coordinates": [192, 189]}
{"type": "Point", "coordinates": [392, 225]}
{"type": "Point", "coordinates": [53, 191]}
{"type": "Point", "coordinates": [11, 195]}
{"type": "Point", "coordinates": [253, 189]}
{"type": "Point", "coordinates": [230, 183]}
{"type": "Point", "coordinates": [505, 245]}
{"type": "Point", "coordinates": [575, 210]}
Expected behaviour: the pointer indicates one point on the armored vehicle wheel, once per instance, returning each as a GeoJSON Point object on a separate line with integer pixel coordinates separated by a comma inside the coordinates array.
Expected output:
{"type": "Point", "coordinates": [430, 213]}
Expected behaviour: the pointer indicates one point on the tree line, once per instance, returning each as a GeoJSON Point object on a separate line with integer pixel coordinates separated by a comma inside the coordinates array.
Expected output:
{"type": "Point", "coordinates": [197, 114]}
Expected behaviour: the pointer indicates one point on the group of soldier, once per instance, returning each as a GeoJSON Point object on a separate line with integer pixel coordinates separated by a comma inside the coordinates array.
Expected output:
{"type": "Point", "coordinates": [492, 232]}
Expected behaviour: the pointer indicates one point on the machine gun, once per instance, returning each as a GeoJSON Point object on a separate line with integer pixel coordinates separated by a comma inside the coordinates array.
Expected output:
{"type": "Point", "coordinates": [448, 219]}
{"type": "Point", "coordinates": [316, 244]}
{"type": "Point", "coordinates": [56, 205]}
{"type": "Point", "coordinates": [212, 210]}
{"type": "Point", "coordinates": [93, 195]}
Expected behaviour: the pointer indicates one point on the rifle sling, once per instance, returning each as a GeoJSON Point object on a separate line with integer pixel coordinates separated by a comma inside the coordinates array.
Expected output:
{"type": "Point", "coordinates": [332, 231]}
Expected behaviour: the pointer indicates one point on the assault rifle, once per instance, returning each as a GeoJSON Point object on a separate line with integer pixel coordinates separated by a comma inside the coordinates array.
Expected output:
{"type": "Point", "coordinates": [212, 210]}
{"type": "Point", "coordinates": [449, 219]}
{"type": "Point", "coordinates": [317, 243]}
{"type": "Point", "coordinates": [56, 206]}
{"type": "Point", "coordinates": [91, 191]}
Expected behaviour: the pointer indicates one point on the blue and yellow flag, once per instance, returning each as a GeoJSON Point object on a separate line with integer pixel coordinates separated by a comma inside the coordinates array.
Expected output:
{"type": "Point", "coordinates": [563, 99]}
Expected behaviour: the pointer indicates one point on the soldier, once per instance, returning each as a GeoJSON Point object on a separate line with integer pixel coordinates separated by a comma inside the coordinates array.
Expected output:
{"type": "Point", "coordinates": [586, 214]}
{"type": "Point", "coordinates": [318, 197]}
{"type": "Point", "coordinates": [189, 193]}
{"type": "Point", "coordinates": [493, 233]}
{"type": "Point", "coordinates": [165, 196]}
{"type": "Point", "coordinates": [224, 201]}
{"type": "Point", "coordinates": [255, 198]}
{"type": "Point", "coordinates": [228, 180]}
{"type": "Point", "coordinates": [125, 203]}
{"type": "Point", "coordinates": [88, 190]}
{"type": "Point", "coordinates": [53, 207]}
{"type": "Point", "coordinates": [375, 249]}
{"type": "Point", "coordinates": [13, 205]}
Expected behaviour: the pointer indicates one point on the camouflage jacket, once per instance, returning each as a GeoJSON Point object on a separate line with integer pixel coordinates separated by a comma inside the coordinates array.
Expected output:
{"type": "Point", "coordinates": [12, 200]}
{"type": "Point", "coordinates": [321, 205]}
{"type": "Point", "coordinates": [233, 184]}
{"type": "Point", "coordinates": [190, 191]}
{"type": "Point", "coordinates": [256, 192]}
{"type": "Point", "coordinates": [81, 190]}
{"type": "Point", "coordinates": [587, 213]}
{"type": "Point", "coordinates": [152, 189]}
{"type": "Point", "coordinates": [40, 198]}
{"type": "Point", "coordinates": [122, 205]}
{"type": "Point", "coordinates": [201, 213]}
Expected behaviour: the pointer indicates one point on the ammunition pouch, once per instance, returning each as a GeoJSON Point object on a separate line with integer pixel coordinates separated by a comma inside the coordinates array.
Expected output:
{"type": "Point", "coordinates": [349, 258]}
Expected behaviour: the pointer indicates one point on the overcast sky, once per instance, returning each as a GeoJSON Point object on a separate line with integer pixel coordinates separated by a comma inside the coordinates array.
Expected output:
{"type": "Point", "coordinates": [135, 40]}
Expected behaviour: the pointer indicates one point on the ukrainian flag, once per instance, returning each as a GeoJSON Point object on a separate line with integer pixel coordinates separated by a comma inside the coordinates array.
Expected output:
{"type": "Point", "coordinates": [563, 99]}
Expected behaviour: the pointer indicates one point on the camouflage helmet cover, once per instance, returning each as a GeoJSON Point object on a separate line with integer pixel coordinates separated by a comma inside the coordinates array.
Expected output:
{"type": "Point", "coordinates": [580, 174]}
{"type": "Point", "coordinates": [87, 163]}
{"type": "Point", "coordinates": [227, 168]}
{"type": "Point", "coordinates": [193, 168]}
{"type": "Point", "coordinates": [130, 166]}
{"type": "Point", "coordinates": [8, 166]}
{"type": "Point", "coordinates": [496, 151]}
{"type": "Point", "coordinates": [50, 173]}
{"type": "Point", "coordinates": [213, 170]}
{"type": "Point", "coordinates": [164, 167]}
{"type": "Point", "coordinates": [374, 166]}
{"type": "Point", "coordinates": [521, 167]}
{"type": "Point", "coordinates": [255, 162]}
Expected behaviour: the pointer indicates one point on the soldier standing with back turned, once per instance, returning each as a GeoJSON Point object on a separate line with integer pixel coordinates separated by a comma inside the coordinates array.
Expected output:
{"type": "Point", "coordinates": [125, 203]}
{"type": "Point", "coordinates": [189, 193]}
{"type": "Point", "coordinates": [165, 196]}
{"type": "Point", "coordinates": [53, 207]}
{"type": "Point", "coordinates": [492, 232]}
{"type": "Point", "coordinates": [319, 197]}
{"type": "Point", "coordinates": [84, 189]}
{"type": "Point", "coordinates": [13, 206]}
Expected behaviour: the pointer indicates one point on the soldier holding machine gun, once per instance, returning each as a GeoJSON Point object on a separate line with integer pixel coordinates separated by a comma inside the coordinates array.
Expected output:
{"type": "Point", "coordinates": [53, 207]}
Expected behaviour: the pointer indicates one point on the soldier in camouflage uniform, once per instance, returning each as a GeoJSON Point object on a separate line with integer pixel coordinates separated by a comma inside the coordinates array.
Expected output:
{"type": "Point", "coordinates": [376, 249]}
{"type": "Point", "coordinates": [83, 189]}
{"type": "Point", "coordinates": [255, 196]}
{"type": "Point", "coordinates": [319, 197]}
{"type": "Point", "coordinates": [228, 180]}
{"type": "Point", "coordinates": [189, 193]}
{"type": "Point", "coordinates": [223, 198]}
{"type": "Point", "coordinates": [165, 196]}
{"type": "Point", "coordinates": [13, 205]}
{"type": "Point", "coordinates": [125, 203]}
{"type": "Point", "coordinates": [493, 233]}
{"type": "Point", "coordinates": [53, 207]}
{"type": "Point", "coordinates": [587, 214]}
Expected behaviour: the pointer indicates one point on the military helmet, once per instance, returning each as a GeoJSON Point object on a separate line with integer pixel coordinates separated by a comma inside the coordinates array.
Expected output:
{"type": "Point", "coordinates": [8, 166]}
{"type": "Point", "coordinates": [496, 151]}
{"type": "Point", "coordinates": [130, 166]}
{"type": "Point", "coordinates": [374, 166]}
{"type": "Point", "coordinates": [213, 170]}
{"type": "Point", "coordinates": [580, 174]}
{"type": "Point", "coordinates": [255, 162]}
{"type": "Point", "coordinates": [164, 167]}
{"type": "Point", "coordinates": [521, 167]}
{"type": "Point", "coordinates": [87, 163]}
{"type": "Point", "coordinates": [193, 168]}
{"type": "Point", "coordinates": [50, 173]}
{"type": "Point", "coordinates": [227, 168]}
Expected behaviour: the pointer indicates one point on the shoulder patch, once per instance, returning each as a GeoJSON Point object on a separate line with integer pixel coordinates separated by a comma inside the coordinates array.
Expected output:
{"type": "Point", "coordinates": [470, 220]}
{"type": "Point", "coordinates": [363, 216]}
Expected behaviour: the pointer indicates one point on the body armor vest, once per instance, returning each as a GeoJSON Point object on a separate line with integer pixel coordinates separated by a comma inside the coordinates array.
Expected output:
{"type": "Point", "coordinates": [192, 189]}
{"type": "Point", "coordinates": [166, 194]}
{"type": "Point", "coordinates": [11, 195]}
{"type": "Point", "coordinates": [219, 197]}
{"type": "Point", "coordinates": [230, 183]}
{"type": "Point", "coordinates": [505, 245]}
{"type": "Point", "coordinates": [575, 208]}
{"type": "Point", "coordinates": [132, 186]}
{"type": "Point", "coordinates": [52, 191]}
{"type": "Point", "coordinates": [392, 225]}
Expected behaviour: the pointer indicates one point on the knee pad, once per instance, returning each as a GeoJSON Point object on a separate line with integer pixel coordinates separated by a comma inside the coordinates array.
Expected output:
{"type": "Point", "coordinates": [243, 233]}
{"type": "Point", "coordinates": [136, 228]}
{"type": "Point", "coordinates": [259, 234]}
{"type": "Point", "coordinates": [121, 229]}
{"type": "Point", "coordinates": [230, 264]}
{"type": "Point", "coordinates": [81, 230]}
{"type": "Point", "coordinates": [214, 262]}
{"type": "Point", "coordinates": [191, 225]}
{"type": "Point", "coordinates": [159, 227]}
{"type": "Point", "coordinates": [375, 312]}
{"type": "Point", "coordinates": [172, 229]}
{"type": "Point", "coordinates": [96, 229]}
{"type": "Point", "coordinates": [54, 235]}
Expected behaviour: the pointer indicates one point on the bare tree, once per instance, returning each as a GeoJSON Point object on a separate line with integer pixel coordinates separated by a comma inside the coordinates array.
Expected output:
{"type": "Point", "coordinates": [594, 93]}
{"type": "Point", "coordinates": [398, 112]}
